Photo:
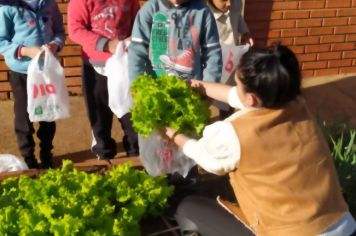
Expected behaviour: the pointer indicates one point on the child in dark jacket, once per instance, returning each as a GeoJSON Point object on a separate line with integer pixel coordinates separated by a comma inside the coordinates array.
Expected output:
{"type": "Point", "coordinates": [26, 26]}
{"type": "Point", "coordinates": [98, 26]}
{"type": "Point", "coordinates": [176, 37]}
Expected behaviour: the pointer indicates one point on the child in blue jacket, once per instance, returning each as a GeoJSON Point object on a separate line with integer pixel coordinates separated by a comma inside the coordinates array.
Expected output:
{"type": "Point", "coordinates": [26, 26]}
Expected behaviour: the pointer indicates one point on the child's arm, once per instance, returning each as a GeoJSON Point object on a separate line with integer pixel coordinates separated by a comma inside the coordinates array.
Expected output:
{"type": "Point", "coordinates": [58, 30]}
{"type": "Point", "coordinates": [138, 54]}
{"type": "Point", "coordinates": [211, 57]}
{"type": "Point", "coordinates": [78, 22]}
{"type": "Point", "coordinates": [7, 47]}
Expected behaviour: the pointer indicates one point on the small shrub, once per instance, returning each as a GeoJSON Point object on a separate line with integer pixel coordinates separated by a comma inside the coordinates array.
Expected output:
{"type": "Point", "coordinates": [342, 143]}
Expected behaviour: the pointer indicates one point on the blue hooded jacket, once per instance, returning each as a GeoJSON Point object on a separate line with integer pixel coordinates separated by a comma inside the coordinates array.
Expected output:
{"type": "Point", "coordinates": [20, 25]}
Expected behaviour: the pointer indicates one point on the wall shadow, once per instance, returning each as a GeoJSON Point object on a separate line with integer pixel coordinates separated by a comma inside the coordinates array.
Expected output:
{"type": "Point", "coordinates": [257, 15]}
{"type": "Point", "coordinates": [334, 101]}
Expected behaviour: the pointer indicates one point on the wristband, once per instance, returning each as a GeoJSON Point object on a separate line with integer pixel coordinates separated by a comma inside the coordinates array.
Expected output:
{"type": "Point", "coordinates": [19, 56]}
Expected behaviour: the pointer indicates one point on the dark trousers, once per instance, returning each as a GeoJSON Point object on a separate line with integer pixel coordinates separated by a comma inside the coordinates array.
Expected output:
{"type": "Point", "coordinates": [23, 127]}
{"type": "Point", "coordinates": [95, 92]}
{"type": "Point", "coordinates": [208, 218]}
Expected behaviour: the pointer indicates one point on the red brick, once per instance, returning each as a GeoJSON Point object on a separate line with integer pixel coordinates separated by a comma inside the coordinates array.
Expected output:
{"type": "Point", "coordinates": [296, 14]}
{"type": "Point", "coordinates": [309, 23]}
{"type": "Point", "coordinates": [354, 3]}
{"type": "Point", "coordinates": [297, 49]}
{"type": "Point", "coordinates": [312, 4]}
{"type": "Point", "coordinates": [4, 95]}
{"type": "Point", "coordinates": [354, 62]}
{"type": "Point", "coordinates": [72, 61]}
{"type": "Point", "coordinates": [323, 13]}
{"type": "Point", "coordinates": [333, 39]}
{"type": "Point", "coordinates": [335, 21]}
{"type": "Point", "coordinates": [338, 3]}
{"type": "Point", "coordinates": [260, 34]}
{"type": "Point", "coordinates": [348, 70]}
{"type": "Point", "coordinates": [284, 41]}
{"type": "Point", "coordinates": [5, 87]}
{"type": "Point", "coordinates": [3, 76]}
{"type": "Point", "coordinates": [3, 65]}
{"type": "Point", "coordinates": [321, 31]}
{"type": "Point", "coordinates": [349, 54]}
{"type": "Point", "coordinates": [282, 24]}
{"type": "Point", "coordinates": [314, 65]}
{"type": "Point", "coordinates": [317, 48]}
{"type": "Point", "coordinates": [350, 38]}
{"type": "Point", "coordinates": [71, 51]}
{"type": "Point", "coordinates": [73, 71]}
{"type": "Point", "coordinates": [329, 55]}
{"type": "Point", "coordinates": [346, 12]}
{"type": "Point", "coordinates": [307, 40]}
{"type": "Point", "coordinates": [307, 73]}
{"type": "Point", "coordinates": [345, 29]}
{"type": "Point", "coordinates": [352, 20]}
{"type": "Point", "coordinates": [326, 72]}
{"type": "Point", "coordinates": [294, 32]}
{"type": "Point", "coordinates": [68, 41]}
{"type": "Point", "coordinates": [74, 81]}
{"type": "Point", "coordinates": [289, 5]}
{"type": "Point", "coordinates": [340, 63]}
{"type": "Point", "coordinates": [342, 46]}
{"type": "Point", "coordinates": [260, 7]}
{"type": "Point", "coordinates": [306, 57]}
{"type": "Point", "coordinates": [62, 7]}
{"type": "Point", "coordinates": [276, 15]}
{"type": "Point", "coordinates": [274, 34]}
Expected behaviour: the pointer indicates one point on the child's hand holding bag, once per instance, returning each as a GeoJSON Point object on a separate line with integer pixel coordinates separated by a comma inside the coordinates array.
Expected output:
{"type": "Point", "coordinates": [47, 94]}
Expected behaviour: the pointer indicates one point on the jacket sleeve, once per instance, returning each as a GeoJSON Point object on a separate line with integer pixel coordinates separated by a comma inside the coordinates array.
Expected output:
{"type": "Point", "coordinates": [211, 57]}
{"type": "Point", "coordinates": [58, 27]}
{"type": "Point", "coordinates": [218, 151]}
{"type": "Point", "coordinates": [242, 28]}
{"type": "Point", "coordinates": [78, 21]}
{"type": "Point", "coordinates": [7, 47]}
{"type": "Point", "coordinates": [138, 53]}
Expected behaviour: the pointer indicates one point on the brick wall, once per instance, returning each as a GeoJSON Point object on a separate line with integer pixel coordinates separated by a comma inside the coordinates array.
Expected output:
{"type": "Point", "coordinates": [322, 33]}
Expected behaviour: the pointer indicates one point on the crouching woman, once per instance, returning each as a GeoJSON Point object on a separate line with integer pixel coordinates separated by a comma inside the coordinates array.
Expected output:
{"type": "Point", "coordinates": [279, 165]}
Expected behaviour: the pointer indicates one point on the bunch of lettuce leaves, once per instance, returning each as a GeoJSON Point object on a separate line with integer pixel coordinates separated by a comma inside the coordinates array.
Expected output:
{"type": "Point", "coordinates": [72, 202]}
{"type": "Point", "coordinates": [167, 101]}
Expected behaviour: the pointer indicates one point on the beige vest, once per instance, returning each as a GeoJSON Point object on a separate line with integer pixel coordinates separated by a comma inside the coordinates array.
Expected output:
{"type": "Point", "coordinates": [286, 183]}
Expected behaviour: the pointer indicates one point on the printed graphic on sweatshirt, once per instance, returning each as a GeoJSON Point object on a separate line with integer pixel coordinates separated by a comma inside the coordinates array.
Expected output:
{"type": "Point", "coordinates": [112, 19]}
{"type": "Point", "coordinates": [173, 43]}
{"type": "Point", "coordinates": [159, 42]}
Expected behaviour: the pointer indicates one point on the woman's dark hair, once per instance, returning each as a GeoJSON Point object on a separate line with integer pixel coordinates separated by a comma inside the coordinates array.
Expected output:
{"type": "Point", "coordinates": [272, 74]}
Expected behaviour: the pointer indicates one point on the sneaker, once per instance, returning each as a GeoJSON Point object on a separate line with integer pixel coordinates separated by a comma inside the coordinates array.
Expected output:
{"type": "Point", "coordinates": [31, 162]}
{"type": "Point", "coordinates": [181, 63]}
{"type": "Point", "coordinates": [100, 158]}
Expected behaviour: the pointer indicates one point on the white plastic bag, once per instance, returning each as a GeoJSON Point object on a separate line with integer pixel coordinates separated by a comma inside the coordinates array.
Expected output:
{"type": "Point", "coordinates": [231, 56]}
{"type": "Point", "coordinates": [10, 162]}
{"type": "Point", "coordinates": [160, 156]}
{"type": "Point", "coordinates": [46, 89]}
{"type": "Point", "coordinates": [116, 69]}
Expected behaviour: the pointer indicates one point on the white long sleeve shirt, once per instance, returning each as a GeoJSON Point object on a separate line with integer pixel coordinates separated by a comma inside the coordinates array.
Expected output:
{"type": "Point", "coordinates": [219, 150]}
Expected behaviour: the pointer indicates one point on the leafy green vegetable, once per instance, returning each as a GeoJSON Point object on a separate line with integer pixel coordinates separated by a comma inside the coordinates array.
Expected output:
{"type": "Point", "coordinates": [72, 202]}
{"type": "Point", "coordinates": [167, 101]}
